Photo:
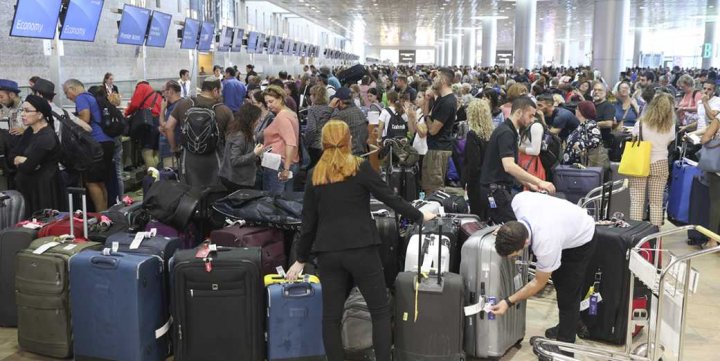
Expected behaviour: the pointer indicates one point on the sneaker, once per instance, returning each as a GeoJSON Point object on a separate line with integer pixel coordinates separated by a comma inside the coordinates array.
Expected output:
{"type": "Point", "coordinates": [552, 332]}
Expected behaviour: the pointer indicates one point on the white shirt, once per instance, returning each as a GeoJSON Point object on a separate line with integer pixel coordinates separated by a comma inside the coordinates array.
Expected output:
{"type": "Point", "coordinates": [555, 225]}
{"type": "Point", "coordinates": [420, 144]}
{"type": "Point", "coordinates": [533, 146]}
{"type": "Point", "coordinates": [659, 141]}
{"type": "Point", "coordinates": [184, 88]}
{"type": "Point", "coordinates": [714, 104]}
{"type": "Point", "coordinates": [385, 119]}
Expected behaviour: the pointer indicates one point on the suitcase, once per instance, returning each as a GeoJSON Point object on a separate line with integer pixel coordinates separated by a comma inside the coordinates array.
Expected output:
{"type": "Point", "coordinates": [12, 240]}
{"type": "Point", "coordinates": [62, 227]}
{"type": "Point", "coordinates": [699, 213]}
{"type": "Point", "coordinates": [101, 231]}
{"type": "Point", "coordinates": [683, 172]}
{"type": "Point", "coordinates": [42, 291]}
{"type": "Point", "coordinates": [188, 238]}
{"type": "Point", "coordinates": [608, 273]}
{"type": "Point", "coordinates": [119, 311]}
{"type": "Point", "coordinates": [386, 222]}
{"type": "Point", "coordinates": [294, 321]}
{"type": "Point", "coordinates": [404, 182]}
{"type": "Point", "coordinates": [357, 328]}
{"type": "Point", "coordinates": [457, 228]}
{"type": "Point", "coordinates": [218, 304]}
{"type": "Point", "coordinates": [621, 201]}
{"type": "Point", "coordinates": [428, 257]}
{"type": "Point", "coordinates": [576, 182]}
{"type": "Point", "coordinates": [429, 315]}
{"type": "Point", "coordinates": [488, 275]}
{"type": "Point", "coordinates": [12, 208]}
{"type": "Point", "coordinates": [270, 240]}
{"type": "Point", "coordinates": [352, 74]}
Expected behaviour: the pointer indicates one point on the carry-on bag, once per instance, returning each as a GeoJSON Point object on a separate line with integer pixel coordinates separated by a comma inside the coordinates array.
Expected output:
{"type": "Point", "coordinates": [119, 310]}
{"type": "Point", "coordinates": [456, 228]}
{"type": "Point", "coordinates": [489, 278]}
{"type": "Point", "coordinates": [608, 274]}
{"type": "Point", "coordinates": [451, 203]}
{"type": "Point", "coordinates": [12, 241]}
{"type": "Point", "coordinates": [12, 208]}
{"type": "Point", "coordinates": [218, 304]}
{"type": "Point", "coordinates": [683, 172]}
{"type": "Point", "coordinates": [576, 181]}
{"type": "Point", "coordinates": [699, 213]}
{"type": "Point", "coordinates": [352, 74]}
{"type": "Point", "coordinates": [429, 314]}
{"type": "Point", "coordinates": [294, 320]}
{"type": "Point", "coordinates": [270, 240]}
{"type": "Point", "coordinates": [386, 221]}
{"type": "Point", "coordinates": [43, 292]}
{"type": "Point", "coordinates": [357, 328]}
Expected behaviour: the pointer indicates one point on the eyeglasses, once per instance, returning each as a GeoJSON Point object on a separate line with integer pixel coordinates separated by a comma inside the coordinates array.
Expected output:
{"type": "Point", "coordinates": [25, 110]}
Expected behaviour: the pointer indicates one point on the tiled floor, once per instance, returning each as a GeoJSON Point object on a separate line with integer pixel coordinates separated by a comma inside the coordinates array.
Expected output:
{"type": "Point", "coordinates": [703, 327]}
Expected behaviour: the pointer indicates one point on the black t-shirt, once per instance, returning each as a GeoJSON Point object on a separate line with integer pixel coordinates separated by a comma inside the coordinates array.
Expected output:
{"type": "Point", "coordinates": [605, 111]}
{"type": "Point", "coordinates": [565, 120]}
{"type": "Point", "coordinates": [503, 143]}
{"type": "Point", "coordinates": [443, 111]}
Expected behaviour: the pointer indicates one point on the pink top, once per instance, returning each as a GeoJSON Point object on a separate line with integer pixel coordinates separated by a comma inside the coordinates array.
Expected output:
{"type": "Point", "coordinates": [688, 101]}
{"type": "Point", "coordinates": [284, 130]}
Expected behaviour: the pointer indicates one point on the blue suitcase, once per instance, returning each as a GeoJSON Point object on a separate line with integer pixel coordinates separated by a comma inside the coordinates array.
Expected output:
{"type": "Point", "coordinates": [118, 311]}
{"type": "Point", "coordinates": [680, 188]}
{"type": "Point", "coordinates": [699, 213]}
{"type": "Point", "coordinates": [294, 322]}
{"type": "Point", "coordinates": [576, 182]}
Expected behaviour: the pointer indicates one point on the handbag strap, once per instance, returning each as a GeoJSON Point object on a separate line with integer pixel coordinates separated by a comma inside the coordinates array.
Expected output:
{"type": "Point", "coordinates": [142, 105]}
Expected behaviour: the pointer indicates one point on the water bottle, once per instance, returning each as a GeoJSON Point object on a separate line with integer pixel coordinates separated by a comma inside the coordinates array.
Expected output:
{"type": "Point", "coordinates": [422, 196]}
{"type": "Point", "coordinates": [491, 301]}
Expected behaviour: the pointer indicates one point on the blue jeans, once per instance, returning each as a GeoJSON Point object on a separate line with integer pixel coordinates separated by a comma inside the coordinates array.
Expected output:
{"type": "Point", "coordinates": [272, 183]}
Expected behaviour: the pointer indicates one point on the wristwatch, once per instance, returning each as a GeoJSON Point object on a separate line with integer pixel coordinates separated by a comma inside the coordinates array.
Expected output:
{"type": "Point", "coordinates": [509, 303]}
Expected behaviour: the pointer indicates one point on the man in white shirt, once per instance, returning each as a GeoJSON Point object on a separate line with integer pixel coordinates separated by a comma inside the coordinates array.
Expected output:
{"type": "Point", "coordinates": [184, 83]}
{"type": "Point", "coordinates": [708, 110]}
{"type": "Point", "coordinates": [563, 241]}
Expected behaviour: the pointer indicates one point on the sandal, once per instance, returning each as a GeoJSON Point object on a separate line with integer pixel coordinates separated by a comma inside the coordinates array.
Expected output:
{"type": "Point", "coordinates": [709, 244]}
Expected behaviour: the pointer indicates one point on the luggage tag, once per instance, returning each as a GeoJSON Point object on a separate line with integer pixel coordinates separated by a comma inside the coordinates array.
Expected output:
{"type": "Point", "coordinates": [281, 271]}
{"type": "Point", "coordinates": [203, 252]}
{"type": "Point", "coordinates": [491, 201]}
{"type": "Point", "coordinates": [42, 249]}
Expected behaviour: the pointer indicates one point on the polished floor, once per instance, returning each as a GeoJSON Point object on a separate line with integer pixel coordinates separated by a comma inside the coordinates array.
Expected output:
{"type": "Point", "coordinates": [703, 325]}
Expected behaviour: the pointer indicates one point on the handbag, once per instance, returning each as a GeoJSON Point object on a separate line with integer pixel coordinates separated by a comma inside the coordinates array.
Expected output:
{"type": "Point", "coordinates": [710, 156]}
{"type": "Point", "coordinates": [635, 160]}
{"type": "Point", "coordinates": [143, 119]}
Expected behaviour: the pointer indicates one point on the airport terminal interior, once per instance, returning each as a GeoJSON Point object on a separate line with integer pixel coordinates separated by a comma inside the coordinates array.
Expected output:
{"type": "Point", "coordinates": [155, 108]}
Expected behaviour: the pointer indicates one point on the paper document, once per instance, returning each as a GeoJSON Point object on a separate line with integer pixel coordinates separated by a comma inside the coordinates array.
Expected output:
{"type": "Point", "coordinates": [271, 161]}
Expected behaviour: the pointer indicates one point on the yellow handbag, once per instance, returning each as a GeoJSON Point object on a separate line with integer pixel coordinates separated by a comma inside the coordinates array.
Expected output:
{"type": "Point", "coordinates": [635, 160]}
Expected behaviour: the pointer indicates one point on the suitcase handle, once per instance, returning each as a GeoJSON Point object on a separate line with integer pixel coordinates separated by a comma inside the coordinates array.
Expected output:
{"type": "Point", "coordinates": [104, 262]}
{"type": "Point", "coordinates": [439, 265]}
{"type": "Point", "coordinates": [83, 193]}
{"type": "Point", "coordinates": [298, 290]}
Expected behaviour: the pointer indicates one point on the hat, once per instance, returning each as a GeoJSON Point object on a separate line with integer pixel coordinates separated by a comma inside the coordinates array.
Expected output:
{"type": "Point", "coordinates": [342, 94]}
{"type": "Point", "coordinates": [9, 85]}
{"type": "Point", "coordinates": [44, 87]}
{"type": "Point", "coordinates": [250, 66]}
{"type": "Point", "coordinates": [587, 109]}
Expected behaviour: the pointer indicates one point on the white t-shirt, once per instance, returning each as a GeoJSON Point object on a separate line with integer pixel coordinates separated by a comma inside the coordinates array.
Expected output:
{"type": "Point", "coordinates": [420, 144]}
{"type": "Point", "coordinates": [659, 141]}
{"type": "Point", "coordinates": [385, 119]}
{"type": "Point", "coordinates": [714, 103]}
{"type": "Point", "coordinates": [555, 224]}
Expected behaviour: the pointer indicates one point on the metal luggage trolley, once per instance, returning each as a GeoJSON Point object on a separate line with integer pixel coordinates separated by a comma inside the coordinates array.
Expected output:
{"type": "Point", "coordinates": [670, 286]}
{"type": "Point", "coordinates": [595, 200]}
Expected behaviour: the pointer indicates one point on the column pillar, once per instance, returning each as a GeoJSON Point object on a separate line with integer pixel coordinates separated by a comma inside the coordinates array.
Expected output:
{"type": "Point", "coordinates": [637, 46]}
{"type": "Point", "coordinates": [609, 25]}
{"type": "Point", "coordinates": [710, 23]}
{"type": "Point", "coordinates": [489, 42]}
{"type": "Point", "coordinates": [469, 41]}
{"type": "Point", "coordinates": [525, 11]}
{"type": "Point", "coordinates": [457, 48]}
{"type": "Point", "coordinates": [448, 51]}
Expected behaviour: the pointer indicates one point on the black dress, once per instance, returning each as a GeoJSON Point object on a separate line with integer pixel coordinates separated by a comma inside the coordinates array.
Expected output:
{"type": "Point", "coordinates": [470, 178]}
{"type": "Point", "coordinates": [38, 178]}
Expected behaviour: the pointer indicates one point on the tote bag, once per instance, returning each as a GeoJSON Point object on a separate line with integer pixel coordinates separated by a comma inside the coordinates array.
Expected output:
{"type": "Point", "coordinates": [710, 156]}
{"type": "Point", "coordinates": [635, 160]}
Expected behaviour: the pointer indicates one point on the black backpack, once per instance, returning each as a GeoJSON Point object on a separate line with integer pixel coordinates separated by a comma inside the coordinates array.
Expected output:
{"type": "Point", "coordinates": [397, 126]}
{"type": "Point", "coordinates": [79, 149]}
{"type": "Point", "coordinates": [112, 121]}
{"type": "Point", "coordinates": [551, 151]}
{"type": "Point", "coordinates": [200, 132]}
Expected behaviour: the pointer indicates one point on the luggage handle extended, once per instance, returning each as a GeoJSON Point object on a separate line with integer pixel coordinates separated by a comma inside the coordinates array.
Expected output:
{"type": "Point", "coordinates": [83, 192]}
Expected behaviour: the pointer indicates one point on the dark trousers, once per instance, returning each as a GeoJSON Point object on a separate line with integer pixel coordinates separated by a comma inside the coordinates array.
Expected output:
{"type": "Point", "coordinates": [503, 211]}
{"type": "Point", "coordinates": [338, 270]}
{"type": "Point", "coordinates": [569, 281]}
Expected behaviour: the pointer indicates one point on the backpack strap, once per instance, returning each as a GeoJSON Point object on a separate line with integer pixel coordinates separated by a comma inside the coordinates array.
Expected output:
{"type": "Point", "coordinates": [142, 105]}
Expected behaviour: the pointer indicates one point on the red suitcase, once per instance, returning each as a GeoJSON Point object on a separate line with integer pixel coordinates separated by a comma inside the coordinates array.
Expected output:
{"type": "Point", "coordinates": [270, 240]}
{"type": "Point", "coordinates": [62, 226]}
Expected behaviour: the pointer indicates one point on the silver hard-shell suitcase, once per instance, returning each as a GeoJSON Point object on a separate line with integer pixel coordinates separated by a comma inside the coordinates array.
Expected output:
{"type": "Point", "coordinates": [488, 275]}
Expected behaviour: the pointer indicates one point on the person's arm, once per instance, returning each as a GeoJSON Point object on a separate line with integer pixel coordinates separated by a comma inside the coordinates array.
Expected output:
{"type": "Point", "coordinates": [290, 151]}
{"type": "Point", "coordinates": [310, 125]}
{"type": "Point", "coordinates": [238, 157]}
{"type": "Point", "coordinates": [39, 153]}
{"type": "Point", "coordinates": [530, 289]}
{"type": "Point", "coordinates": [134, 104]}
{"type": "Point", "coordinates": [85, 116]}
{"type": "Point", "coordinates": [524, 177]}
{"type": "Point", "coordinates": [170, 133]}
{"type": "Point", "coordinates": [382, 192]}
{"type": "Point", "coordinates": [412, 118]}
{"type": "Point", "coordinates": [710, 131]}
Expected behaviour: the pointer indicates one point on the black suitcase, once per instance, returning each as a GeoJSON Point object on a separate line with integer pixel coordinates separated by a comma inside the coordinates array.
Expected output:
{"type": "Point", "coordinates": [386, 221]}
{"type": "Point", "coordinates": [609, 274]}
{"type": "Point", "coordinates": [218, 304]}
{"type": "Point", "coordinates": [429, 322]}
{"type": "Point", "coordinates": [352, 74]}
{"type": "Point", "coordinates": [452, 229]}
{"type": "Point", "coordinates": [404, 182]}
{"type": "Point", "coordinates": [12, 240]}
{"type": "Point", "coordinates": [699, 213]}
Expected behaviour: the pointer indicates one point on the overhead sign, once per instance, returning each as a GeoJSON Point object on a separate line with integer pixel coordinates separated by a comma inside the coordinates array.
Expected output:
{"type": "Point", "coordinates": [407, 56]}
{"type": "Point", "coordinates": [159, 25]}
{"type": "Point", "coordinates": [36, 18]}
{"type": "Point", "coordinates": [707, 51]}
{"type": "Point", "coordinates": [81, 20]}
{"type": "Point", "coordinates": [504, 57]}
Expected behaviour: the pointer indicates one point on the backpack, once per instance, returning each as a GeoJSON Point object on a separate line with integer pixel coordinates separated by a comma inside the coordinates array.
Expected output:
{"type": "Point", "coordinates": [397, 126]}
{"type": "Point", "coordinates": [551, 147]}
{"type": "Point", "coordinates": [79, 149]}
{"type": "Point", "coordinates": [112, 122]}
{"type": "Point", "coordinates": [200, 132]}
